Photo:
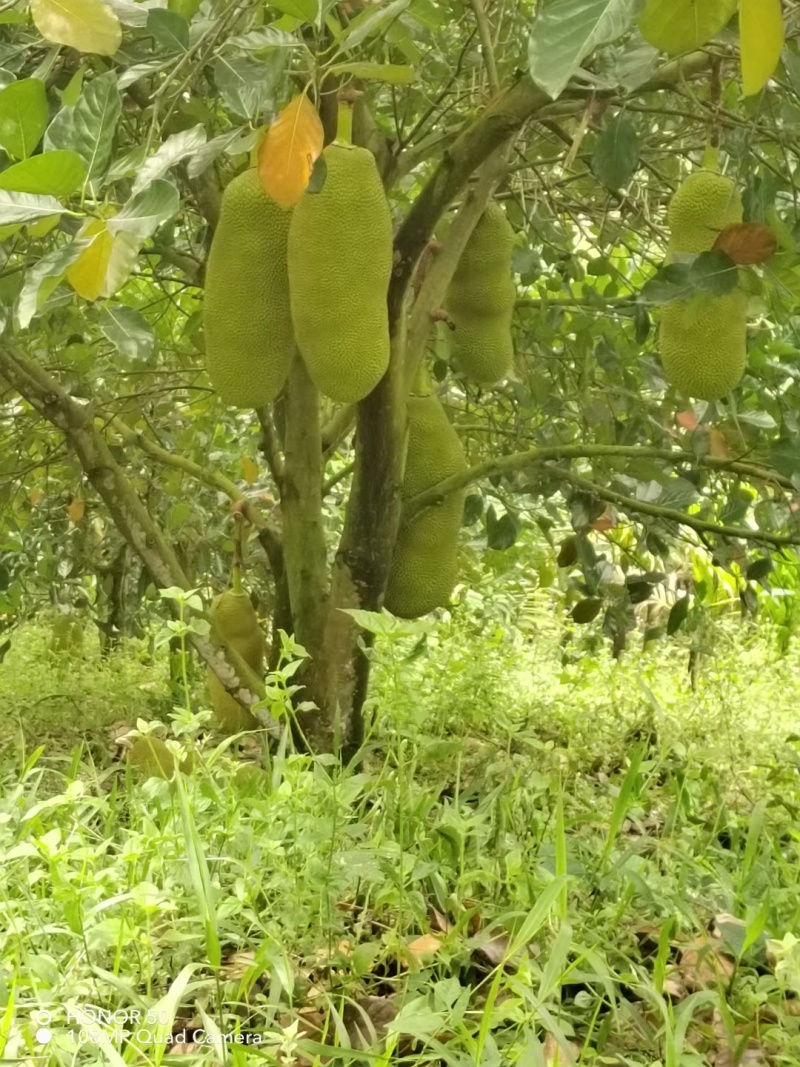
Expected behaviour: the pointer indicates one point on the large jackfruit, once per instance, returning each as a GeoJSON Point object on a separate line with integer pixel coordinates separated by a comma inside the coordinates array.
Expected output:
{"type": "Point", "coordinates": [249, 339]}
{"type": "Point", "coordinates": [340, 262]}
{"type": "Point", "coordinates": [703, 340]}
{"type": "Point", "coordinates": [702, 207]}
{"type": "Point", "coordinates": [235, 620]}
{"type": "Point", "coordinates": [481, 298]}
{"type": "Point", "coordinates": [424, 563]}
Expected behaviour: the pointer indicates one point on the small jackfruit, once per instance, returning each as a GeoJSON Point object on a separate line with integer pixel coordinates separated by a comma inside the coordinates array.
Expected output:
{"type": "Point", "coordinates": [703, 340]}
{"type": "Point", "coordinates": [236, 622]}
{"type": "Point", "coordinates": [340, 262]}
{"type": "Point", "coordinates": [249, 339]}
{"type": "Point", "coordinates": [481, 298]}
{"type": "Point", "coordinates": [702, 207]}
{"type": "Point", "coordinates": [424, 563]}
{"type": "Point", "coordinates": [151, 757]}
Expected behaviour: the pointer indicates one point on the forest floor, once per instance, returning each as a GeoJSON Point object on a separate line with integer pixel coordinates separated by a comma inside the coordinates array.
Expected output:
{"type": "Point", "coordinates": [546, 858]}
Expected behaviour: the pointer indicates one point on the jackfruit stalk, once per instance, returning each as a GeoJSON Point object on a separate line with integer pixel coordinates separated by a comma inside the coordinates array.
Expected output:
{"type": "Point", "coordinates": [424, 563]}
{"type": "Point", "coordinates": [249, 339]}
{"type": "Point", "coordinates": [703, 340]}
{"type": "Point", "coordinates": [340, 262]}
{"type": "Point", "coordinates": [481, 298]}
{"type": "Point", "coordinates": [235, 620]}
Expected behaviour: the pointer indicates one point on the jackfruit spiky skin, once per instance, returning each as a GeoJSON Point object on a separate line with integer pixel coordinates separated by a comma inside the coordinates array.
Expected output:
{"type": "Point", "coordinates": [702, 207]}
{"type": "Point", "coordinates": [704, 343]}
{"type": "Point", "coordinates": [236, 622]}
{"type": "Point", "coordinates": [481, 298]}
{"type": "Point", "coordinates": [424, 563]}
{"type": "Point", "coordinates": [340, 262]}
{"type": "Point", "coordinates": [151, 757]}
{"type": "Point", "coordinates": [249, 339]}
{"type": "Point", "coordinates": [703, 340]}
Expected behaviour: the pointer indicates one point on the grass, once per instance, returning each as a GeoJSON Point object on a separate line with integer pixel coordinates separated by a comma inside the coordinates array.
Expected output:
{"type": "Point", "coordinates": [546, 858]}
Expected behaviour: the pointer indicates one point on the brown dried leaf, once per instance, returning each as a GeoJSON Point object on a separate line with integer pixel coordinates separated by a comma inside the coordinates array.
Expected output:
{"type": "Point", "coordinates": [747, 243]}
{"type": "Point", "coordinates": [424, 947]}
{"type": "Point", "coordinates": [236, 965]}
{"type": "Point", "coordinates": [703, 965]}
{"type": "Point", "coordinates": [75, 510]}
{"type": "Point", "coordinates": [366, 1020]}
{"type": "Point", "coordinates": [556, 1055]}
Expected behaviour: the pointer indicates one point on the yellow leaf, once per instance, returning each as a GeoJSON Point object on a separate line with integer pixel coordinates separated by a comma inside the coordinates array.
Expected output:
{"type": "Point", "coordinates": [761, 37]}
{"type": "Point", "coordinates": [86, 25]}
{"type": "Point", "coordinates": [289, 150]}
{"type": "Point", "coordinates": [249, 469]}
{"type": "Point", "coordinates": [87, 275]}
{"type": "Point", "coordinates": [75, 510]}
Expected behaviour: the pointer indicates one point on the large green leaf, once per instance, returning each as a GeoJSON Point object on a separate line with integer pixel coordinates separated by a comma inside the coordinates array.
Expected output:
{"type": "Point", "coordinates": [616, 155]}
{"type": "Point", "coordinates": [176, 148]}
{"type": "Point", "coordinates": [145, 212]}
{"type": "Point", "coordinates": [391, 73]}
{"type": "Point", "coordinates": [23, 116]}
{"type": "Point", "coordinates": [128, 330]}
{"type": "Point", "coordinates": [58, 173]}
{"type": "Point", "coordinates": [370, 21]}
{"type": "Point", "coordinates": [169, 29]}
{"type": "Point", "coordinates": [23, 207]}
{"type": "Point", "coordinates": [683, 25]}
{"type": "Point", "coordinates": [566, 31]}
{"type": "Point", "coordinates": [88, 128]}
{"type": "Point", "coordinates": [86, 25]}
{"type": "Point", "coordinates": [43, 278]}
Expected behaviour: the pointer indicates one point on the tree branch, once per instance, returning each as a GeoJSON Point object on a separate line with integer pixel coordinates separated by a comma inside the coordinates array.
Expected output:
{"type": "Point", "coordinates": [641, 507]}
{"type": "Point", "coordinates": [487, 47]}
{"type": "Point", "coordinates": [537, 456]}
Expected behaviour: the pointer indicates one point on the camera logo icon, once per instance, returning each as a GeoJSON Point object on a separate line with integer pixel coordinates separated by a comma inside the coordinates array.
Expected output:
{"type": "Point", "coordinates": [42, 1018]}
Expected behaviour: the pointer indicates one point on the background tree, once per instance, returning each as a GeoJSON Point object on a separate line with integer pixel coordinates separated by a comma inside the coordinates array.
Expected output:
{"type": "Point", "coordinates": [123, 122]}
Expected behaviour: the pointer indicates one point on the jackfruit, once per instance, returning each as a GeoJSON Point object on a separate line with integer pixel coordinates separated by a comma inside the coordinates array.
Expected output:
{"type": "Point", "coordinates": [424, 564]}
{"type": "Point", "coordinates": [703, 340]}
{"type": "Point", "coordinates": [249, 339]}
{"type": "Point", "coordinates": [235, 620]}
{"type": "Point", "coordinates": [150, 756]}
{"type": "Point", "coordinates": [340, 262]}
{"type": "Point", "coordinates": [704, 343]}
{"type": "Point", "coordinates": [702, 207]}
{"type": "Point", "coordinates": [481, 298]}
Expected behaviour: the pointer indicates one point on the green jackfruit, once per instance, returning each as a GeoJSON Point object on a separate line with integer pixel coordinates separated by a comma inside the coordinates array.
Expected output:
{"type": "Point", "coordinates": [235, 620]}
{"type": "Point", "coordinates": [703, 340]}
{"type": "Point", "coordinates": [424, 563]}
{"type": "Point", "coordinates": [249, 339]}
{"type": "Point", "coordinates": [340, 262]}
{"type": "Point", "coordinates": [704, 343]}
{"type": "Point", "coordinates": [151, 757]}
{"type": "Point", "coordinates": [481, 298]}
{"type": "Point", "coordinates": [702, 207]}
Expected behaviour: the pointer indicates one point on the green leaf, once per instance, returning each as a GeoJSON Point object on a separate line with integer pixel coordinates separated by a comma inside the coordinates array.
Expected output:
{"type": "Point", "coordinates": [172, 151]}
{"type": "Point", "coordinates": [391, 73]}
{"type": "Point", "coordinates": [42, 279]}
{"type": "Point", "coordinates": [57, 173]}
{"type": "Point", "coordinates": [263, 38]}
{"type": "Point", "coordinates": [500, 533]}
{"type": "Point", "coordinates": [246, 84]}
{"type": "Point", "coordinates": [145, 212]}
{"type": "Point", "coordinates": [586, 610]}
{"type": "Point", "coordinates": [683, 25]}
{"type": "Point", "coordinates": [759, 569]}
{"type": "Point", "coordinates": [306, 10]}
{"type": "Point", "coordinates": [616, 156]}
{"type": "Point", "coordinates": [761, 40]}
{"type": "Point", "coordinates": [714, 272]}
{"type": "Point", "coordinates": [169, 29]}
{"type": "Point", "coordinates": [128, 330]}
{"type": "Point", "coordinates": [566, 31]}
{"type": "Point", "coordinates": [785, 458]}
{"type": "Point", "coordinates": [86, 25]}
{"type": "Point", "coordinates": [23, 116]}
{"type": "Point", "coordinates": [24, 207]}
{"type": "Point", "coordinates": [88, 128]}
{"type": "Point", "coordinates": [370, 20]}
